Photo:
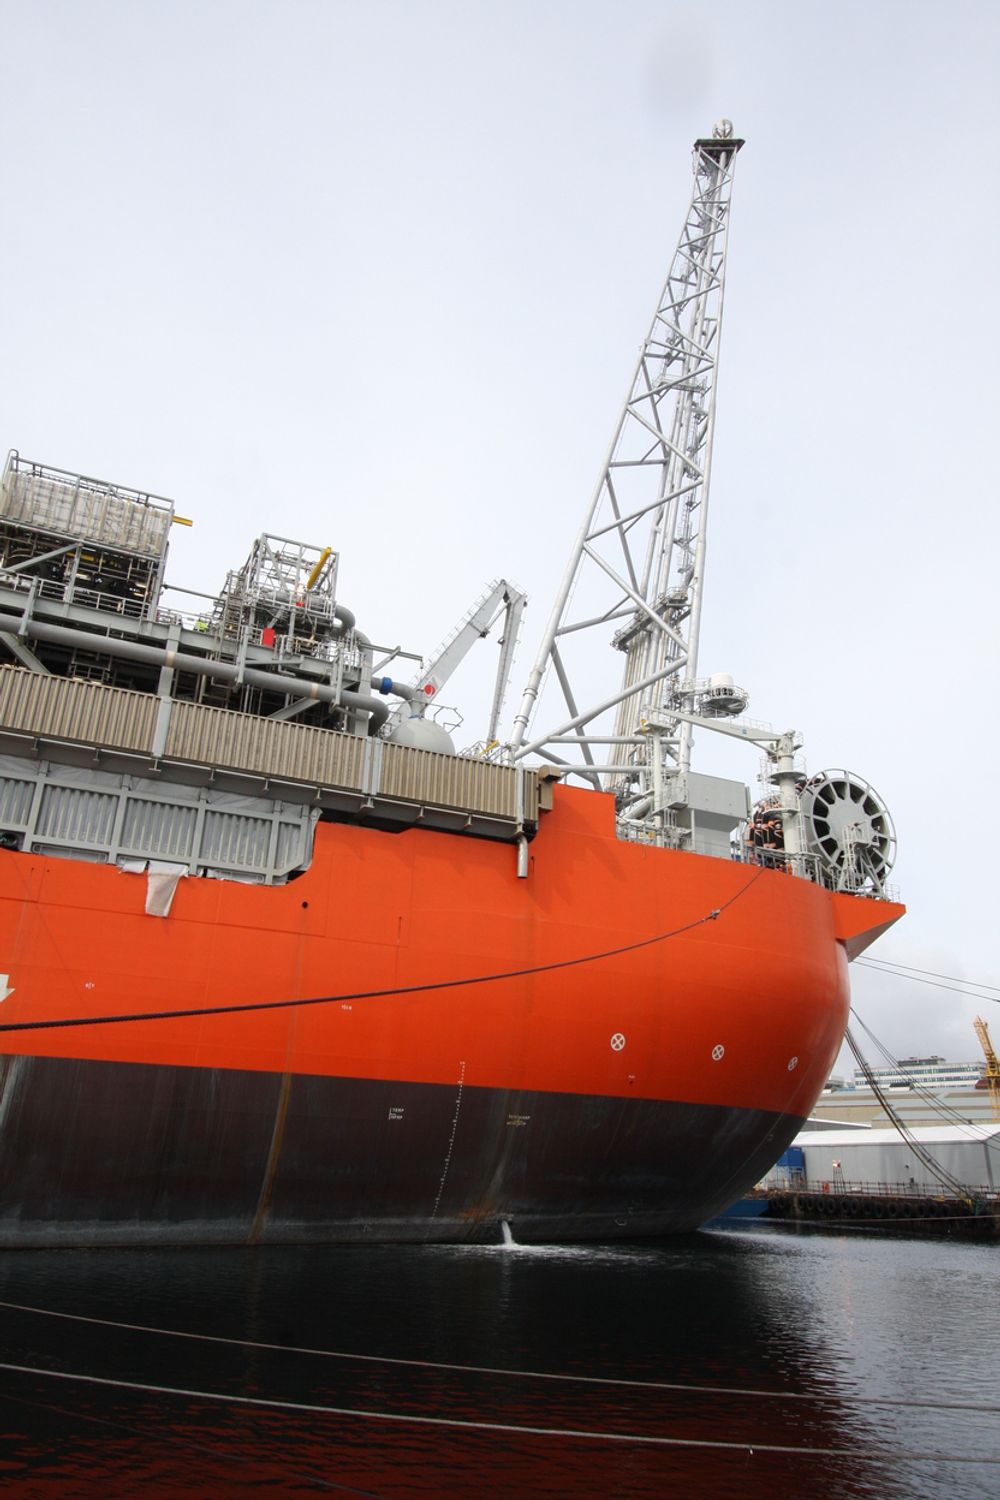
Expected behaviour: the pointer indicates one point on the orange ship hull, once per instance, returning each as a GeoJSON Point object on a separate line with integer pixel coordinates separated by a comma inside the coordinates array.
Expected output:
{"type": "Point", "coordinates": [634, 1092]}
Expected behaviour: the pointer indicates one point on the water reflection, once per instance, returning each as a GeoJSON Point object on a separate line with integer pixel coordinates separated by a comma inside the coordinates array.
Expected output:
{"type": "Point", "coordinates": [697, 1363]}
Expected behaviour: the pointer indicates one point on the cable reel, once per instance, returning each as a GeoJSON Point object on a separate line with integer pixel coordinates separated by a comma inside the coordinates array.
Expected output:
{"type": "Point", "coordinates": [847, 827]}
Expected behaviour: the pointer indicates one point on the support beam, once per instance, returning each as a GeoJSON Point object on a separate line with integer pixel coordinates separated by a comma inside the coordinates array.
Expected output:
{"type": "Point", "coordinates": [24, 653]}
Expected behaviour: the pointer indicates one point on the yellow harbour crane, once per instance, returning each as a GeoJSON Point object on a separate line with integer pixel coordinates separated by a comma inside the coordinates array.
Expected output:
{"type": "Point", "coordinates": [992, 1064]}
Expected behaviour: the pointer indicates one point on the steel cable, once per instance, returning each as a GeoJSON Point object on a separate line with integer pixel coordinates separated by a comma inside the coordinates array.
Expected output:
{"type": "Point", "coordinates": [499, 1370]}
{"type": "Point", "coordinates": [395, 992]}
{"type": "Point", "coordinates": [512, 1429]}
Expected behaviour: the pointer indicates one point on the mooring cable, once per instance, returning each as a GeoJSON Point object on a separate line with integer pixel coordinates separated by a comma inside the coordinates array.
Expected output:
{"type": "Point", "coordinates": [891, 966]}
{"type": "Point", "coordinates": [929, 1095]}
{"type": "Point", "coordinates": [512, 1429]}
{"type": "Point", "coordinates": [958, 989]}
{"type": "Point", "coordinates": [499, 1370]}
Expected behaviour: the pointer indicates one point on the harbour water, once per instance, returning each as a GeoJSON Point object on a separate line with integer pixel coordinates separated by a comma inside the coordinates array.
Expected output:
{"type": "Point", "coordinates": [733, 1363]}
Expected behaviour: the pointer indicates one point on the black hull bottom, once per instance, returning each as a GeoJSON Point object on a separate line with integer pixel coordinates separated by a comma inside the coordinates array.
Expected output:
{"type": "Point", "coordinates": [96, 1153]}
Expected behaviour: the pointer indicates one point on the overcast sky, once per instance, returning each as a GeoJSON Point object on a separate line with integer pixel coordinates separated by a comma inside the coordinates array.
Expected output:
{"type": "Point", "coordinates": [375, 274]}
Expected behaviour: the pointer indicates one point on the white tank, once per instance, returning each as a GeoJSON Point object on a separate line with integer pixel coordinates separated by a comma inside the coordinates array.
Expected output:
{"type": "Point", "coordinates": [423, 734]}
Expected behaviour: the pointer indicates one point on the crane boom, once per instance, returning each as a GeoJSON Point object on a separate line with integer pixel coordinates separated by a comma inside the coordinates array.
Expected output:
{"type": "Point", "coordinates": [501, 599]}
{"type": "Point", "coordinates": [992, 1065]}
{"type": "Point", "coordinates": [992, 1062]}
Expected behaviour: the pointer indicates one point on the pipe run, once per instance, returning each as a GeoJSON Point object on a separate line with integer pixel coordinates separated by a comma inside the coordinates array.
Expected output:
{"type": "Point", "coordinates": [347, 621]}
{"type": "Point", "coordinates": [221, 671]}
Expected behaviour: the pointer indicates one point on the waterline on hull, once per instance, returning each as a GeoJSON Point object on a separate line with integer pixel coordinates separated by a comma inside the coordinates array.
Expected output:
{"type": "Point", "coordinates": [141, 1154]}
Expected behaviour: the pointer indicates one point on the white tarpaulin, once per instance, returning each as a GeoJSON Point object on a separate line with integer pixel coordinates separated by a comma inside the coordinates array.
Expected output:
{"type": "Point", "coordinates": [161, 883]}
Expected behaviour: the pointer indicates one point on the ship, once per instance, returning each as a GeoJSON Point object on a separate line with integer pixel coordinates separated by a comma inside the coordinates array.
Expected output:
{"type": "Point", "coordinates": [282, 965]}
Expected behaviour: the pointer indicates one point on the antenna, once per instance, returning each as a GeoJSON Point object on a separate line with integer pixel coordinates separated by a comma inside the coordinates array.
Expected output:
{"type": "Point", "coordinates": [635, 574]}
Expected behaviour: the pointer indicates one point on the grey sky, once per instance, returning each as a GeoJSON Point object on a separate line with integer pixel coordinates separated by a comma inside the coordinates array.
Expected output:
{"type": "Point", "coordinates": [375, 274]}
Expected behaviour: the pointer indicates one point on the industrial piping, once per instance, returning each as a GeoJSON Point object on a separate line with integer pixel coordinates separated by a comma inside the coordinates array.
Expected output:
{"type": "Point", "coordinates": [159, 656]}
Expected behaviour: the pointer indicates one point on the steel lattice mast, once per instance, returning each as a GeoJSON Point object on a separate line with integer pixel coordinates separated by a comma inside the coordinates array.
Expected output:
{"type": "Point", "coordinates": [638, 562]}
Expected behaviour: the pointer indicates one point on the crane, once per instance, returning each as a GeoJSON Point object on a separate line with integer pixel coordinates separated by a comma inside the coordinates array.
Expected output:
{"type": "Point", "coordinates": [501, 599]}
{"type": "Point", "coordinates": [992, 1065]}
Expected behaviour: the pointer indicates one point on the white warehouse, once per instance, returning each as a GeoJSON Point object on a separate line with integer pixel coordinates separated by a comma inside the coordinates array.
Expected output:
{"type": "Point", "coordinates": [970, 1154]}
